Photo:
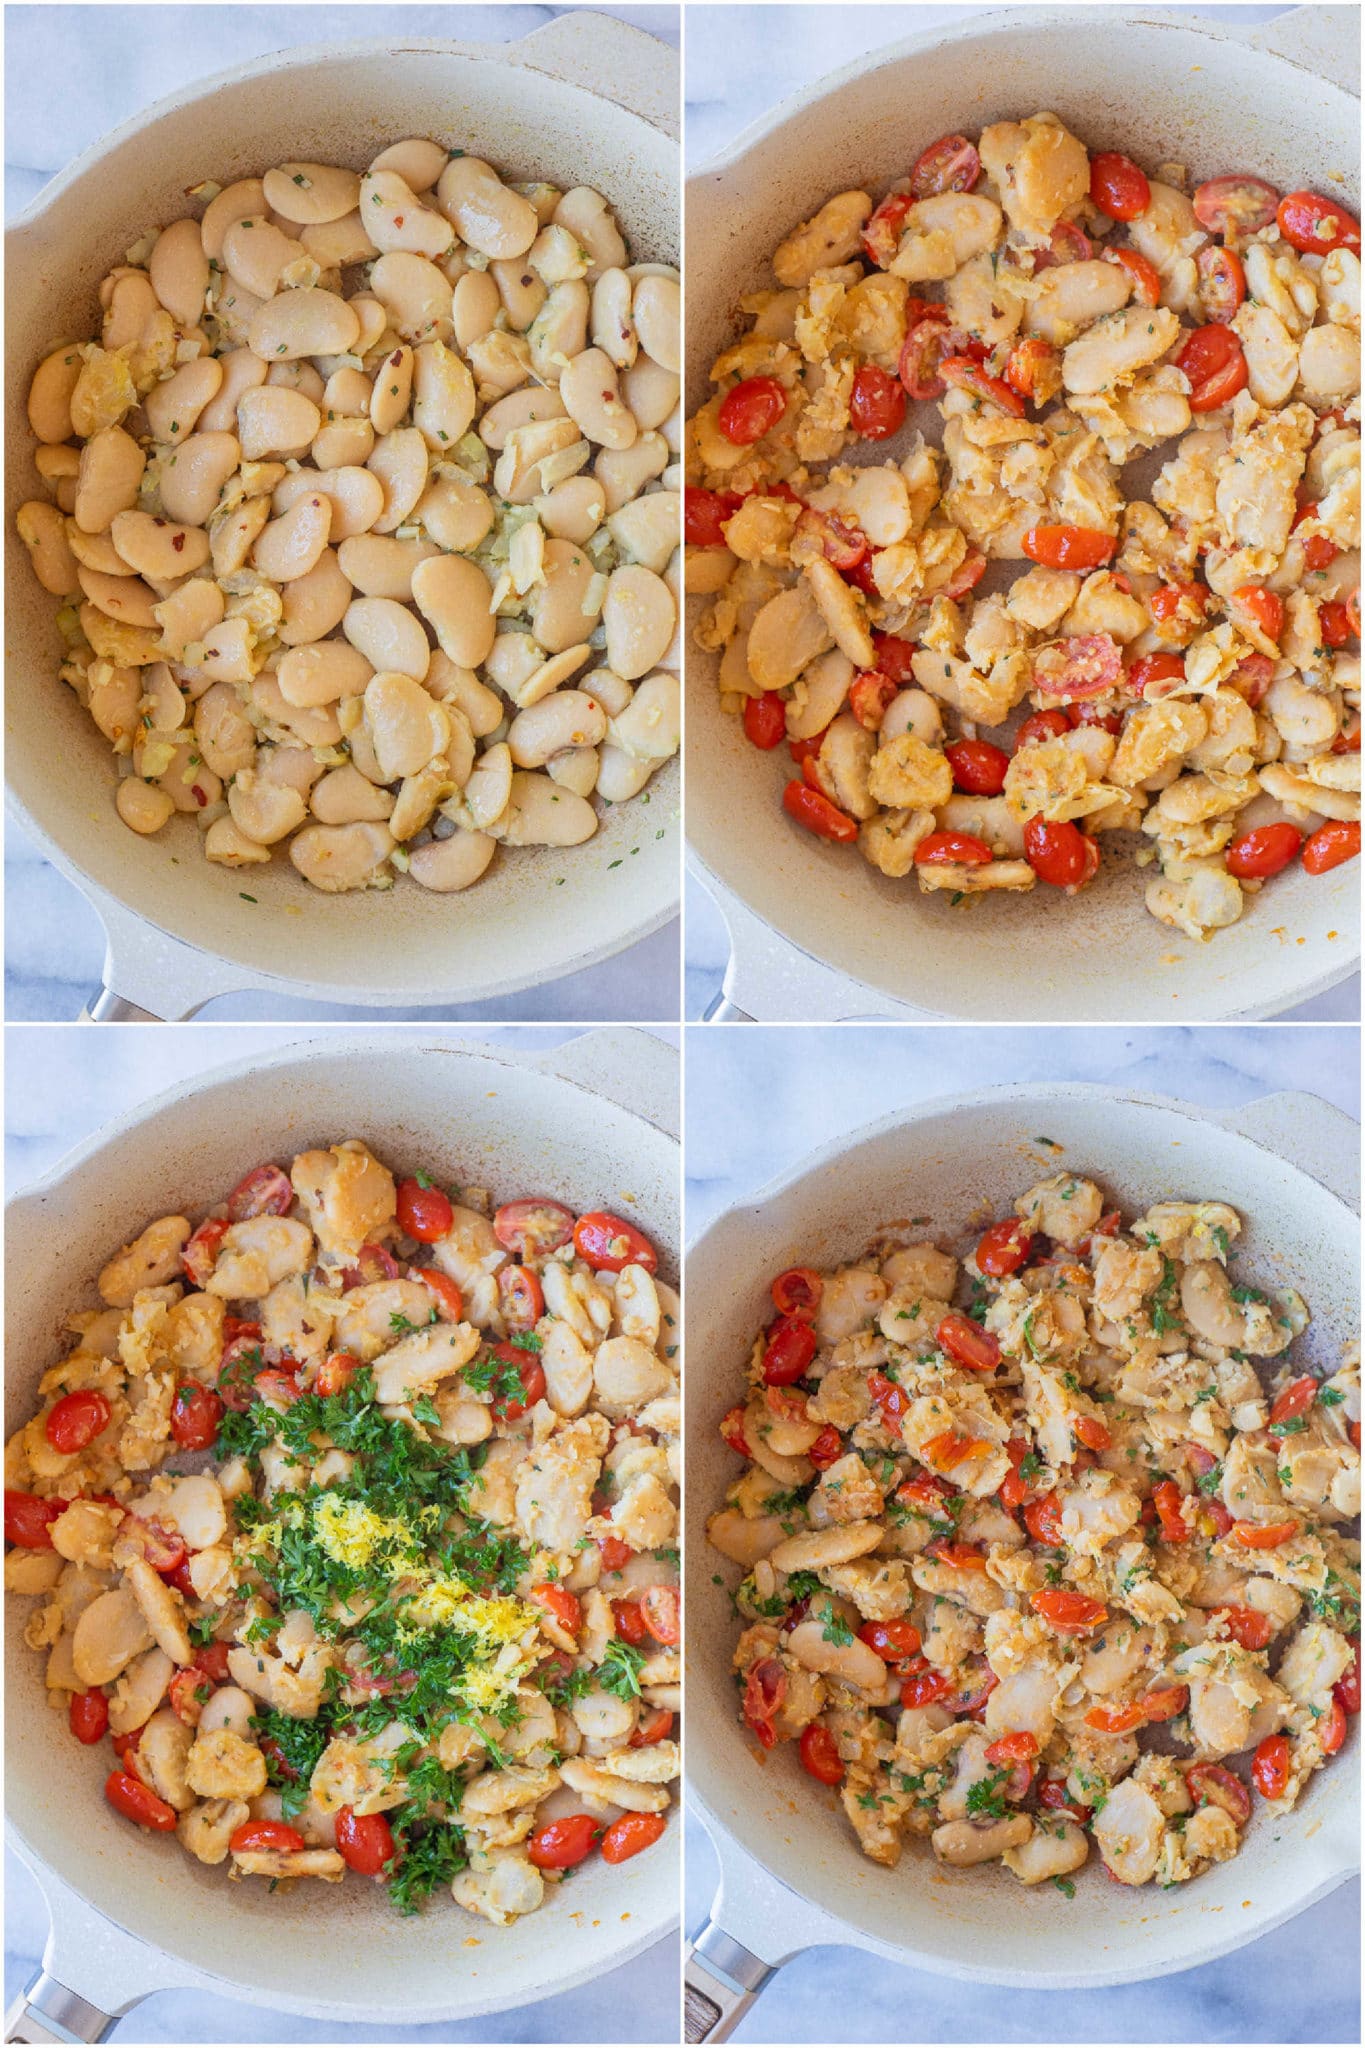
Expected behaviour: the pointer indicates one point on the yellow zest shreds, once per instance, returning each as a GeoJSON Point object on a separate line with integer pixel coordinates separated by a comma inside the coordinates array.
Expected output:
{"type": "Point", "coordinates": [1195, 654]}
{"type": "Point", "coordinates": [355, 1535]}
{"type": "Point", "coordinates": [1028, 1500]}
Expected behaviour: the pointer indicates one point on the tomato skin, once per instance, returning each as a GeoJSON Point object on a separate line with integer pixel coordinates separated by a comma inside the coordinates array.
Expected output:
{"type": "Point", "coordinates": [791, 1346]}
{"type": "Point", "coordinates": [1347, 1687]}
{"type": "Point", "coordinates": [1212, 359]}
{"type": "Point", "coordinates": [1118, 187]}
{"type": "Point", "coordinates": [76, 1420]}
{"type": "Point", "coordinates": [1018, 1747]}
{"type": "Point", "coordinates": [1004, 1247]}
{"type": "Point", "coordinates": [1270, 1767]}
{"type": "Point", "coordinates": [732, 1431]}
{"type": "Point", "coordinates": [876, 404]}
{"type": "Point", "coordinates": [195, 1415]}
{"type": "Point", "coordinates": [960, 373]}
{"type": "Point", "coordinates": [1211, 1785]}
{"type": "Point", "coordinates": [819, 1755]}
{"type": "Point", "coordinates": [1092, 1433]}
{"type": "Point", "coordinates": [927, 341]}
{"type": "Point", "coordinates": [531, 1372]}
{"type": "Point", "coordinates": [1041, 725]}
{"type": "Point", "coordinates": [1068, 547]}
{"type": "Point", "coordinates": [1056, 851]}
{"type": "Point", "coordinates": [1263, 852]}
{"type": "Point", "coordinates": [87, 1715]}
{"type": "Point", "coordinates": [1334, 620]}
{"type": "Point", "coordinates": [1043, 1520]}
{"type": "Point", "coordinates": [561, 1604]}
{"type": "Point", "coordinates": [890, 1398]}
{"type": "Point", "coordinates": [961, 1557]}
{"type": "Point", "coordinates": [1263, 606]}
{"type": "Point", "coordinates": [266, 1191]}
{"type": "Point", "coordinates": [870, 696]}
{"type": "Point", "coordinates": [1145, 275]}
{"type": "Point", "coordinates": [947, 1450]}
{"type": "Point", "coordinates": [751, 409]}
{"type": "Point", "coordinates": [1025, 362]}
{"type": "Point", "coordinates": [978, 767]}
{"type": "Point", "coordinates": [373, 1263]}
{"type": "Point", "coordinates": [1170, 1507]}
{"type": "Point", "coordinates": [656, 1727]}
{"type": "Point", "coordinates": [1067, 243]}
{"type": "Point", "coordinates": [952, 849]}
{"type": "Point", "coordinates": [1235, 206]}
{"type": "Point", "coordinates": [29, 1519]}
{"type": "Point", "coordinates": [1330, 845]}
{"type": "Point", "coordinates": [1153, 669]}
{"type": "Point", "coordinates": [892, 1641]}
{"type": "Point", "coordinates": [1295, 1399]}
{"type": "Point", "coordinates": [828, 1447]}
{"type": "Point", "coordinates": [609, 1243]}
{"type": "Point", "coordinates": [563, 1844]}
{"type": "Point", "coordinates": [1222, 282]}
{"type": "Point", "coordinates": [201, 1250]}
{"type": "Point", "coordinates": [1247, 1626]}
{"type": "Point", "coordinates": [277, 1387]}
{"type": "Point", "coordinates": [968, 1344]}
{"type": "Point", "coordinates": [631, 1833]}
{"type": "Point", "coordinates": [765, 1691]}
{"type": "Point", "coordinates": [424, 1213]}
{"type": "Point", "coordinates": [765, 720]}
{"type": "Point", "coordinates": [137, 1802]}
{"type": "Point", "coordinates": [256, 1835]}
{"type": "Point", "coordinates": [663, 1614]}
{"type": "Point", "coordinates": [798, 1292]}
{"type": "Point", "coordinates": [1334, 1730]}
{"type": "Point", "coordinates": [1071, 1613]}
{"type": "Point", "coordinates": [815, 811]}
{"type": "Point", "coordinates": [925, 1688]}
{"type": "Point", "coordinates": [1165, 603]}
{"type": "Point", "coordinates": [949, 165]}
{"type": "Point", "coordinates": [520, 1297]}
{"type": "Point", "coordinates": [1313, 225]}
{"type": "Point", "coordinates": [449, 1298]}
{"type": "Point", "coordinates": [705, 514]}
{"type": "Point", "coordinates": [530, 1229]}
{"type": "Point", "coordinates": [1264, 1535]}
{"type": "Point", "coordinates": [335, 1373]}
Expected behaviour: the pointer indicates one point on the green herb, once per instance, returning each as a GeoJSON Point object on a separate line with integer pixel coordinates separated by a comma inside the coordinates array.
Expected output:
{"type": "Point", "coordinates": [1065, 1887]}
{"type": "Point", "coordinates": [985, 1799]}
{"type": "Point", "coordinates": [837, 1630]}
{"type": "Point", "coordinates": [619, 1671]}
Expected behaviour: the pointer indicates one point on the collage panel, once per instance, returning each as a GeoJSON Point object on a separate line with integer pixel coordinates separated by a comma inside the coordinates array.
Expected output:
{"type": "Point", "coordinates": [1022, 1411]}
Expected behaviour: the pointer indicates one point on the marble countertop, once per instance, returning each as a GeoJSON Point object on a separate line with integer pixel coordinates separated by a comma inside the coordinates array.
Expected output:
{"type": "Point", "coordinates": [115, 60]}
{"type": "Point", "coordinates": [1300, 1983]}
{"type": "Point", "coordinates": [61, 1086]}
{"type": "Point", "coordinates": [733, 74]}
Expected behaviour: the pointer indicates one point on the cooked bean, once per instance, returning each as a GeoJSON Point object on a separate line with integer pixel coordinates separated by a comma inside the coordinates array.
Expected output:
{"type": "Point", "coordinates": [311, 194]}
{"type": "Point", "coordinates": [179, 270]}
{"type": "Point", "coordinates": [345, 797]}
{"type": "Point", "coordinates": [173, 407]}
{"type": "Point", "coordinates": [454, 596]}
{"type": "Point", "coordinates": [324, 672]}
{"type": "Point", "coordinates": [539, 813]}
{"type": "Point", "coordinates": [275, 422]}
{"type": "Point", "coordinates": [559, 331]}
{"type": "Point", "coordinates": [338, 858]}
{"type": "Point", "coordinates": [142, 805]}
{"type": "Point", "coordinates": [658, 316]}
{"type": "Point", "coordinates": [192, 478]}
{"type": "Point", "coordinates": [565, 719]}
{"type": "Point", "coordinates": [573, 510]}
{"type": "Point", "coordinates": [443, 396]}
{"type": "Point", "coordinates": [316, 602]}
{"type": "Point", "coordinates": [651, 392]}
{"type": "Point", "coordinates": [379, 566]}
{"type": "Point", "coordinates": [242, 372]}
{"type": "Point", "coordinates": [624, 472]}
{"type": "Point", "coordinates": [446, 865]}
{"type": "Point", "coordinates": [489, 217]}
{"type": "Point", "coordinates": [639, 615]}
{"type": "Point", "coordinates": [308, 322]}
{"type": "Point", "coordinates": [110, 475]}
{"type": "Point", "coordinates": [387, 634]}
{"type": "Point", "coordinates": [290, 546]}
{"type": "Point", "coordinates": [42, 529]}
{"type": "Point", "coordinates": [455, 512]}
{"type": "Point", "coordinates": [395, 217]}
{"type": "Point", "coordinates": [591, 395]}
{"type": "Point", "coordinates": [234, 202]}
{"type": "Point", "coordinates": [586, 215]}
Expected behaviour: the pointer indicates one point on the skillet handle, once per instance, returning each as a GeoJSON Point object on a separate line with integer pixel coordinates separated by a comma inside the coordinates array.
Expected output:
{"type": "Point", "coordinates": [49, 2011]}
{"type": "Point", "coordinates": [107, 1008]}
{"type": "Point", "coordinates": [721, 1980]}
{"type": "Point", "coordinates": [610, 57]}
{"type": "Point", "coordinates": [1316, 1137]}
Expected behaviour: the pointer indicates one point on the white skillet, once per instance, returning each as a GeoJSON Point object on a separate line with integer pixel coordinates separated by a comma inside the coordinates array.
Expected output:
{"type": "Point", "coordinates": [791, 1875]}
{"type": "Point", "coordinates": [582, 100]}
{"type": "Point", "coordinates": [815, 931]}
{"type": "Point", "coordinates": [593, 1122]}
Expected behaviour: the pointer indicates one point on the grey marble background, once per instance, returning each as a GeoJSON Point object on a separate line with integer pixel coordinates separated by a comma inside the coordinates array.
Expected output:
{"type": "Point", "coordinates": [72, 74]}
{"type": "Point", "coordinates": [1300, 1983]}
{"type": "Point", "coordinates": [60, 1087]}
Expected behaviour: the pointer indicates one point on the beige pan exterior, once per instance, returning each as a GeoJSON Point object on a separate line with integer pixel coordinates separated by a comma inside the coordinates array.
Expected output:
{"type": "Point", "coordinates": [584, 100]}
{"type": "Point", "coordinates": [592, 1123]}
{"type": "Point", "coordinates": [792, 1876]}
{"type": "Point", "coordinates": [1160, 86]}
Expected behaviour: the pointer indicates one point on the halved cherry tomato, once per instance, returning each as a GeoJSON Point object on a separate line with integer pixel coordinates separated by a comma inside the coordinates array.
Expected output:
{"type": "Point", "coordinates": [562, 1605]}
{"type": "Point", "coordinates": [266, 1191]}
{"type": "Point", "coordinates": [1056, 851]}
{"type": "Point", "coordinates": [1222, 282]}
{"type": "Point", "coordinates": [631, 1833]}
{"type": "Point", "coordinates": [891, 1399]}
{"type": "Point", "coordinates": [1347, 1687]}
{"type": "Point", "coordinates": [1071, 1613]}
{"type": "Point", "coordinates": [1330, 845]}
{"type": "Point", "coordinates": [189, 1693]}
{"type": "Point", "coordinates": [1295, 1399]}
{"type": "Point", "coordinates": [202, 1249]}
{"type": "Point", "coordinates": [1004, 1247]}
{"type": "Point", "coordinates": [791, 1346]}
{"type": "Point", "coordinates": [533, 1228]}
{"type": "Point", "coordinates": [335, 1373]}
{"type": "Point", "coordinates": [1018, 1747]}
{"type": "Point", "coordinates": [1211, 1785]}
{"type": "Point", "coordinates": [967, 1343]}
{"type": "Point", "coordinates": [881, 237]}
{"type": "Point", "coordinates": [751, 410]}
{"type": "Point", "coordinates": [1318, 550]}
{"type": "Point", "coordinates": [75, 1421]}
{"type": "Point", "coordinates": [1041, 725]}
{"type": "Point", "coordinates": [196, 1413]}
{"type": "Point", "coordinates": [1246, 1625]}
{"type": "Point", "coordinates": [137, 1802]}
{"type": "Point", "coordinates": [1333, 1732]}
{"type": "Point", "coordinates": [1235, 206]}
{"type": "Point", "coordinates": [1169, 600]}
{"type": "Point", "coordinates": [212, 1658]}
{"type": "Point", "coordinates": [1068, 547]}
{"type": "Point", "coordinates": [1118, 187]}
{"type": "Point", "coordinates": [798, 1292]}
{"type": "Point", "coordinates": [869, 698]}
{"type": "Point", "coordinates": [1270, 1767]}
{"type": "Point", "coordinates": [1166, 1702]}
{"type": "Point", "coordinates": [1162, 1705]}
{"type": "Point", "coordinates": [1313, 225]}
{"type": "Point", "coordinates": [960, 373]}
{"type": "Point", "coordinates": [926, 1494]}
{"type": "Point", "coordinates": [876, 404]}
{"type": "Point", "coordinates": [164, 1549]}
{"type": "Point", "coordinates": [237, 1369]}
{"type": "Point", "coordinates": [449, 1297]}
{"type": "Point", "coordinates": [952, 849]}
{"type": "Point", "coordinates": [1169, 1503]}
{"type": "Point", "coordinates": [608, 1243]}
{"type": "Point", "coordinates": [819, 1754]}
{"type": "Point", "coordinates": [894, 657]}
{"type": "Point", "coordinates": [842, 543]}
{"type": "Point", "coordinates": [373, 1262]}
{"type": "Point", "coordinates": [765, 720]}
{"type": "Point", "coordinates": [978, 767]}
{"type": "Point", "coordinates": [1263, 606]}
{"type": "Point", "coordinates": [1212, 360]}
{"type": "Point", "coordinates": [1054, 1798]}
{"type": "Point", "coordinates": [1092, 1433]}
{"type": "Point", "coordinates": [277, 1387]}
{"type": "Point", "coordinates": [563, 1844]}
{"type": "Point", "coordinates": [1145, 275]}
{"type": "Point", "coordinates": [520, 1297]}
{"type": "Point", "coordinates": [732, 1430]}
{"type": "Point", "coordinates": [1150, 671]}
{"type": "Point", "coordinates": [893, 1641]}
{"type": "Point", "coordinates": [1013, 1490]}
{"type": "Point", "coordinates": [365, 1841]}
{"type": "Point", "coordinates": [948, 1449]}
{"type": "Point", "coordinates": [88, 1715]}
{"type": "Point", "coordinates": [1068, 243]}
{"type": "Point", "coordinates": [655, 1726]}
{"type": "Point", "coordinates": [663, 1615]}
{"type": "Point", "coordinates": [959, 1557]}
{"type": "Point", "coordinates": [827, 1448]}
{"type": "Point", "coordinates": [818, 814]}
{"type": "Point", "coordinates": [425, 1213]}
{"type": "Point", "coordinates": [705, 514]}
{"type": "Point", "coordinates": [765, 1691]}
{"type": "Point", "coordinates": [925, 1688]}
{"type": "Point", "coordinates": [1264, 851]}
{"type": "Point", "coordinates": [1026, 363]}
{"type": "Point", "coordinates": [1043, 1520]}
{"type": "Point", "coordinates": [507, 1407]}
{"type": "Point", "coordinates": [125, 1745]}
{"type": "Point", "coordinates": [927, 341]}
{"type": "Point", "coordinates": [1334, 622]}
{"type": "Point", "coordinates": [1263, 1535]}
{"type": "Point", "coordinates": [949, 165]}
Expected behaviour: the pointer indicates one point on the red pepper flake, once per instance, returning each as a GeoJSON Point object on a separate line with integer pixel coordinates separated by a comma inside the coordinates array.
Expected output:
{"type": "Point", "coordinates": [178, 541]}
{"type": "Point", "coordinates": [197, 793]}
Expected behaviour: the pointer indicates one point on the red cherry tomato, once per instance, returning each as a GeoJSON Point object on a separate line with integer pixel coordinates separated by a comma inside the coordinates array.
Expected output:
{"type": "Point", "coordinates": [1212, 360]}
{"type": "Point", "coordinates": [561, 1604]}
{"type": "Point", "coordinates": [365, 1841]}
{"type": "Point", "coordinates": [88, 1715]}
{"type": "Point", "coordinates": [563, 1844]}
{"type": "Point", "coordinates": [891, 1399]}
{"type": "Point", "coordinates": [1211, 1785]}
{"type": "Point", "coordinates": [876, 404]}
{"type": "Point", "coordinates": [1004, 1247]}
{"type": "Point", "coordinates": [1235, 206]}
{"type": "Point", "coordinates": [615, 1554]}
{"type": "Point", "coordinates": [510, 1408]}
{"type": "Point", "coordinates": [1170, 600]}
{"type": "Point", "coordinates": [895, 658]}
{"type": "Point", "coordinates": [927, 341]}
{"type": "Point", "coordinates": [609, 1243]}
{"type": "Point", "coordinates": [751, 410]}
{"type": "Point", "coordinates": [425, 1213]}
{"type": "Point", "coordinates": [1068, 243]}
{"type": "Point", "coordinates": [237, 1370]}
{"type": "Point", "coordinates": [1150, 671]}
{"type": "Point", "coordinates": [765, 1692]}
{"type": "Point", "coordinates": [1068, 547]}
{"type": "Point", "coordinates": [201, 1250]}
{"type": "Point", "coordinates": [925, 1688]}
{"type": "Point", "coordinates": [1334, 620]}
{"type": "Point", "coordinates": [732, 1431]}
{"type": "Point", "coordinates": [1018, 1747]}
{"type": "Point", "coordinates": [631, 1833]}
{"type": "Point", "coordinates": [1270, 1767]}
{"type": "Point", "coordinates": [1263, 606]}
{"type": "Point", "coordinates": [254, 1836]}
{"type": "Point", "coordinates": [1169, 1503]}
{"type": "Point", "coordinates": [791, 1346]}
{"type": "Point", "coordinates": [265, 1192]}
{"type": "Point", "coordinates": [978, 767]}
{"type": "Point", "coordinates": [765, 720]}
{"type": "Point", "coordinates": [277, 1387]}
{"type": "Point", "coordinates": [335, 1373]}
{"type": "Point", "coordinates": [1318, 550]}
{"type": "Point", "coordinates": [1313, 225]}
{"type": "Point", "coordinates": [1246, 1625]}
{"type": "Point", "coordinates": [1054, 1798]}
{"type": "Point", "coordinates": [870, 696]}
{"type": "Point", "coordinates": [1330, 845]}
{"type": "Point", "coordinates": [818, 814]}
{"type": "Point", "coordinates": [1263, 1535]}
{"type": "Point", "coordinates": [1145, 275]}
{"type": "Point", "coordinates": [76, 1420]}
{"type": "Point", "coordinates": [190, 1691]}
{"type": "Point", "coordinates": [1263, 852]}
{"type": "Point", "coordinates": [949, 165]}
{"type": "Point", "coordinates": [1041, 725]}
{"type": "Point", "coordinates": [960, 373]}
{"type": "Point", "coordinates": [881, 236]}
{"type": "Point", "coordinates": [533, 1229]}
{"type": "Point", "coordinates": [1118, 187]}
{"type": "Point", "coordinates": [449, 1298]}
{"type": "Point", "coordinates": [952, 849]}
{"type": "Point", "coordinates": [893, 1641]}
{"type": "Point", "coordinates": [1056, 851]}
{"type": "Point", "coordinates": [1092, 1433]}
{"type": "Point", "coordinates": [705, 514]}
{"type": "Point", "coordinates": [1333, 1732]}
{"type": "Point", "coordinates": [29, 1519]}
{"type": "Point", "coordinates": [373, 1263]}
{"type": "Point", "coordinates": [520, 1297]}
{"type": "Point", "coordinates": [948, 1450]}
{"type": "Point", "coordinates": [195, 1415]}
{"type": "Point", "coordinates": [828, 1447]}
{"type": "Point", "coordinates": [1071, 1613]}
{"type": "Point", "coordinates": [967, 1343]}
{"type": "Point", "coordinates": [798, 1292]}
{"type": "Point", "coordinates": [1222, 282]}
{"type": "Point", "coordinates": [1295, 1399]}
{"type": "Point", "coordinates": [663, 1615]}
{"type": "Point", "coordinates": [819, 1754]}
{"type": "Point", "coordinates": [1028, 361]}
{"type": "Point", "coordinates": [656, 1726]}
{"type": "Point", "coordinates": [1347, 1687]}
{"type": "Point", "coordinates": [137, 1802]}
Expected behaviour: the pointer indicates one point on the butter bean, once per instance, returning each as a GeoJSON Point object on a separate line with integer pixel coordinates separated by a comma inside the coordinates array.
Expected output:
{"type": "Point", "coordinates": [225, 735]}
{"type": "Point", "coordinates": [42, 529]}
{"type": "Point", "coordinates": [343, 444]}
{"type": "Point", "coordinates": [586, 215]}
{"type": "Point", "coordinates": [639, 615]}
{"type": "Point", "coordinates": [613, 327]}
{"type": "Point", "coordinates": [158, 548]}
{"type": "Point", "coordinates": [445, 865]}
{"type": "Point", "coordinates": [474, 305]}
{"type": "Point", "coordinates": [179, 271]}
{"type": "Point", "coordinates": [235, 202]}
{"type": "Point", "coordinates": [311, 194]}
{"type": "Point", "coordinates": [192, 477]}
{"type": "Point", "coordinates": [338, 858]}
{"type": "Point", "coordinates": [387, 634]}
{"type": "Point", "coordinates": [257, 255]}
{"type": "Point", "coordinates": [650, 391]}
{"type": "Point", "coordinates": [323, 673]}
{"type": "Point", "coordinates": [658, 320]}
{"type": "Point", "coordinates": [109, 479]}
{"type": "Point", "coordinates": [418, 162]}
{"type": "Point", "coordinates": [344, 797]}
{"type": "Point", "coordinates": [173, 407]}
{"type": "Point", "coordinates": [308, 322]}
{"type": "Point", "coordinates": [455, 512]}
{"type": "Point", "coordinates": [275, 422]}
{"type": "Point", "coordinates": [142, 806]}
{"type": "Point", "coordinates": [414, 294]}
{"type": "Point", "coordinates": [443, 397]}
{"type": "Point", "coordinates": [539, 813]}
{"type": "Point", "coordinates": [356, 497]}
{"type": "Point", "coordinates": [125, 598]}
{"type": "Point", "coordinates": [316, 602]}
{"type": "Point", "coordinates": [49, 395]}
{"type": "Point", "coordinates": [568, 718]}
{"type": "Point", "coordinates": [336, 244]}
{"type": "Point", "coordinates": [455, 597]}
{"type": "Point", "coordinates": [290, 546]}
{"type": "Point", "coordinates": [395, 217]}
{"type": "Point", "coordinates": [573, 510]}
{"type": "Point", "coordinates": [487, 214]}
{"type": "Point", "coordinates": [399, 461]}
{"type": "Point", "coordinates": [378, 566]}
{"type": "Point", "coordinates": [392, 392]}
{"type": "Point", "coordinates": [624, 472]}
{"type": "Point", "coordinates": [242, 372]}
